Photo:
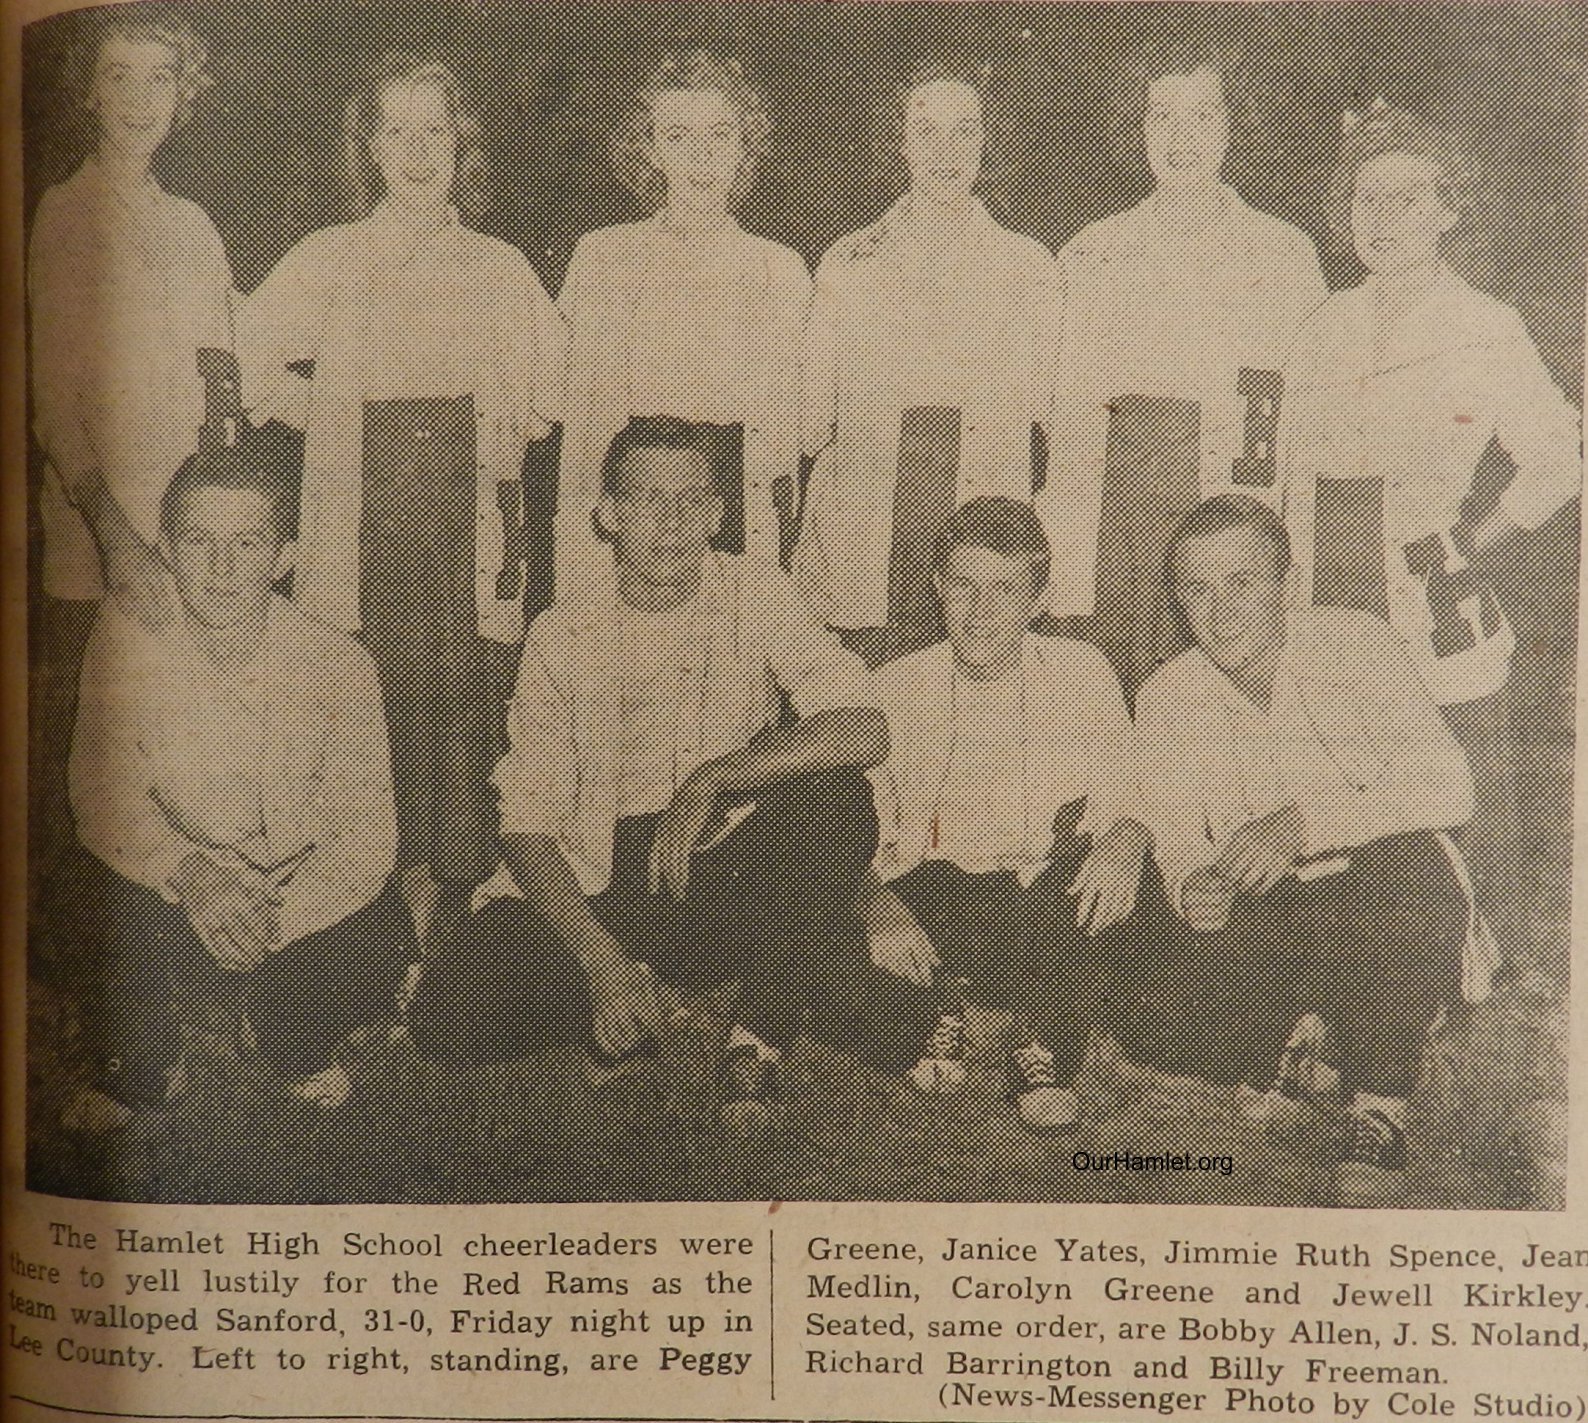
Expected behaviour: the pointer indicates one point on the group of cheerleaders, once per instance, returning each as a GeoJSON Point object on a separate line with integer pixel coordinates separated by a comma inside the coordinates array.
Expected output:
{"type": "Point", "coordinates": [1184, 346]}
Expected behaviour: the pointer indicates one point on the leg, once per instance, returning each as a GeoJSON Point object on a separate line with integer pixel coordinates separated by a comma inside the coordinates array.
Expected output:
{"type": "Point", "coordinates": [1381, 952]}
{"type": "Point", "coordinates": [472, 736]}
{"type": "Point", "coordinates": [1151, 478]}
{"type": "Point", "coordinates": [307, 999]}
{"type": "Point", "coordinates": [504, 987]}
{"type": "Point", "coordinates": [122, 950]}
{"type": "Point", "coordinates": [925, 497]}
{"type": "Point", "coordinates": [1215, 1005]}
{"type": "Point", "coordinates": [1489, 840]}
{"type": "Point", "coordinates": [784, 886]}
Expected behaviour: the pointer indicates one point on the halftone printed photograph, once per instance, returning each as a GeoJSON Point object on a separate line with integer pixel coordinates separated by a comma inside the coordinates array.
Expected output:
{"type": "Point", "coordinates": [802, 602]}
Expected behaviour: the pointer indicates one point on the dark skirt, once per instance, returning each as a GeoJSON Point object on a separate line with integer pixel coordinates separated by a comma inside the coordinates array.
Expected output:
{"type": "Point", "coordinates": [1151, 480]}
{"type": "Point", "coordinates": [445, 687]}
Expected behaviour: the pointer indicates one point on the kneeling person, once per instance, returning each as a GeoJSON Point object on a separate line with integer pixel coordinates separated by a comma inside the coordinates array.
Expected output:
{"type": "Point", "coordinates": [1009, 853]}
{"type": "Point", "coordinates": [1297, 774]}
{"type": "Point", "coordinates": [658, 814]}
{"type": "Point", "coordinates": [232, 790]}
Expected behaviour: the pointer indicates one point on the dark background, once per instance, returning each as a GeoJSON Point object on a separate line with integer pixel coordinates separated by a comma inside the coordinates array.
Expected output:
{"type": "Point", "coordinates": [262, 153]}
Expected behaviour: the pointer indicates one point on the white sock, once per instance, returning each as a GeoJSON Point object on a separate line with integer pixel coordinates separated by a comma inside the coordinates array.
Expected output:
{"type": "Point", "coordinates": [1393, 1109]}
{"type": "Point", "coordinates": [743, 1037]}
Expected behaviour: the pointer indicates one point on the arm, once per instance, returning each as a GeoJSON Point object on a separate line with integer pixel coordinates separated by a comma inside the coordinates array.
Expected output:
{"type": "Point", "coordinates": [1172, 766]}
{"type": "Point", "coordinates": [120, 818]}
{"type": "Point", "coordinates": [1105, 887]}
{"type": "Point", "coordinates": [536, 348]}
{"type": "Point", "coordinates": [539, 784]}
{"type": "Point", "coordinates": [110, 779]}
{"type": "Point", "coordinates": [62, 329]}
{"type": "Point", "coordinates": [1070, 505]}
{"type": "Point", "coordinates": [819, 362]}
{"type": "Point", "coordinates": [828, 740]}
{"type": "Point", "coordinates": [622, 991]}
{"type": "Point", "coordinates": [551, 353]}
{"type": "Point", "coordinates": [898, 943]}
{"type": "Point", "coordinates": [587, 426]}
{"type": "Point", "coordinates": [278, 327]}
{"type": "Point", "coordinates": [353, 824]}
{"type": "Point", "coordinates": [64, 326]}
{"type": "Point", "coordinates": [1540, 429]}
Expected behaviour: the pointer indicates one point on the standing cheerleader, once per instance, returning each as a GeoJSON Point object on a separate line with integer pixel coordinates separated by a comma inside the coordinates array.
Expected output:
{"type": "Point", "coordinates": [1422, 433]}
{"type": "Point", "coordinates": [925, 378]}
{"type": "Point", "coordinates": [1177, 316]}
{"type": "Point", "coordinates": [420, 357]}
{"type": "Point", "coordinates": [128, 289]}
{"type": "Point", "coordinates": [686, 314]}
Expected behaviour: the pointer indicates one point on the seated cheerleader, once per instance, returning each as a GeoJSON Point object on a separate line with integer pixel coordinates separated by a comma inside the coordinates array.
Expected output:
{"type": "Point", "coordinates": [232, 790]}
{"type": "Point", "coordinates": [1298, 780]}
{"type": "Point", "coordinates": [1009, 855]}
{"type": "Point", "coordinates": [661, 817]}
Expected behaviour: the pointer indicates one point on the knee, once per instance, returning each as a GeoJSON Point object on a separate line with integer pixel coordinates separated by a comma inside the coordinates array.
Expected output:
{"type": "Point", "coordinates": [833, 814]}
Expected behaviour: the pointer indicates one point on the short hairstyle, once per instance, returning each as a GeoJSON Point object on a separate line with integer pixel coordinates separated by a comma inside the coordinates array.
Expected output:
{"type": "Point", "coordinates": [138, 24]}
{"type": "Point", "coordinates": [655, 432]}
{"type": "Point", "coordinates": [973, 74]}
{"type": "Point", "coordinates": [1231, 511]}
{"type": "Point", "coordinates": [260, 461]}
{"type": "Point", "coordinates": [1185, 54]}
{"type": "Point", "coordinates": [699, 71]}
{"type": "Point", "coordinates": [1000, 525]}
{"type": "Point", "coordinates": [1385, 130]}
{"type": "Point", "coordinates": [363, 181]}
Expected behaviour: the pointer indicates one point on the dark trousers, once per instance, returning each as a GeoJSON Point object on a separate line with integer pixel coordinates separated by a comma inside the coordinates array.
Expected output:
{"type": "Point", "coordinates": [445, 688]}
{"type": "Point", "coordinates": [133, 962]}
{"type": "Point", "coordinates": [772, 905]}
{"type": "Point", "coordinates": [1151, 481]}
{"type": "Point", "coordinates": [1020, 948]}
{"type": "Point", "coordinates": [1374, 950]}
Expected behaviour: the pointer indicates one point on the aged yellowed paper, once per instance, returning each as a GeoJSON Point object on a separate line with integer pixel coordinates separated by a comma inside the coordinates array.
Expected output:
{"type": "Point", "coordinates": [813, 711]}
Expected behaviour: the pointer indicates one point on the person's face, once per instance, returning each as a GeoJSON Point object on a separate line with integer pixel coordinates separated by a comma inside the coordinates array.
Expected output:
{"type": "Point", "coordinates": [225, 554]}
{"type": "Point", "coordinates": [415, 146]}
{"type": "Point", "coordinates": [1397, 215]}
{"type": "Point", "coordinates": [1187, 128]}
{"type": "Point", "coordinates": [943, 140]}
{"type": "Point", "coordinates": [135, 92]}
{"type": "Point", "coordinates": [1235, 600]}
{"type": "Point", "coordinates": [664, 516]}
{"type": "Point", "coordinates": [697, 145]}
{"type": "Point", "coordinates": [989, 600]}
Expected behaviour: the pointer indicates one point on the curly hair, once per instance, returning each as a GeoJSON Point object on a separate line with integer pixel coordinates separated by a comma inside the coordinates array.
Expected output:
{"type": "Point", "coordinates": [364, 186]}
{"type": "Point", "coordinates": [1386, 130]}
{"type": "Point", "coordinates": [161, 24]}
{"type": "Point", "coordinates": [698, 71]}
{"type": "Point", "coordinates": [888, 135]}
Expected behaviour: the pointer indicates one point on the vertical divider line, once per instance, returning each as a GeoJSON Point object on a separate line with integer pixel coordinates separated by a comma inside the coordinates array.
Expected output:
{"type": "Point", "coordinates": [771, 1305]}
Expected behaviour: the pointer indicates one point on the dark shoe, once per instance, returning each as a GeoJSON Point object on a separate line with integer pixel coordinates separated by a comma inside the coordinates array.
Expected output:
{"type": "Point", "coordinates": [1042, 1104]}
{"type": "Point", "coordinates": [941, 1069]}
{"type": "Point", "coordinates": [750, 1092]}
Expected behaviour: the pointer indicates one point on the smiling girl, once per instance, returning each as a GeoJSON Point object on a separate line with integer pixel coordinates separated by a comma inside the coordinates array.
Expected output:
{"type": "Point", "coordinates": [420, 357]}
{"type": "Point", "coordinates": [686, 314]}
{"type": "Point", "coordinates": [924, 375]}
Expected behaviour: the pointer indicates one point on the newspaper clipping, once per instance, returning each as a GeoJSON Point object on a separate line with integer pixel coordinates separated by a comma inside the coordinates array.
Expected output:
{"type": "Point", "coordinates": [796, 711]}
